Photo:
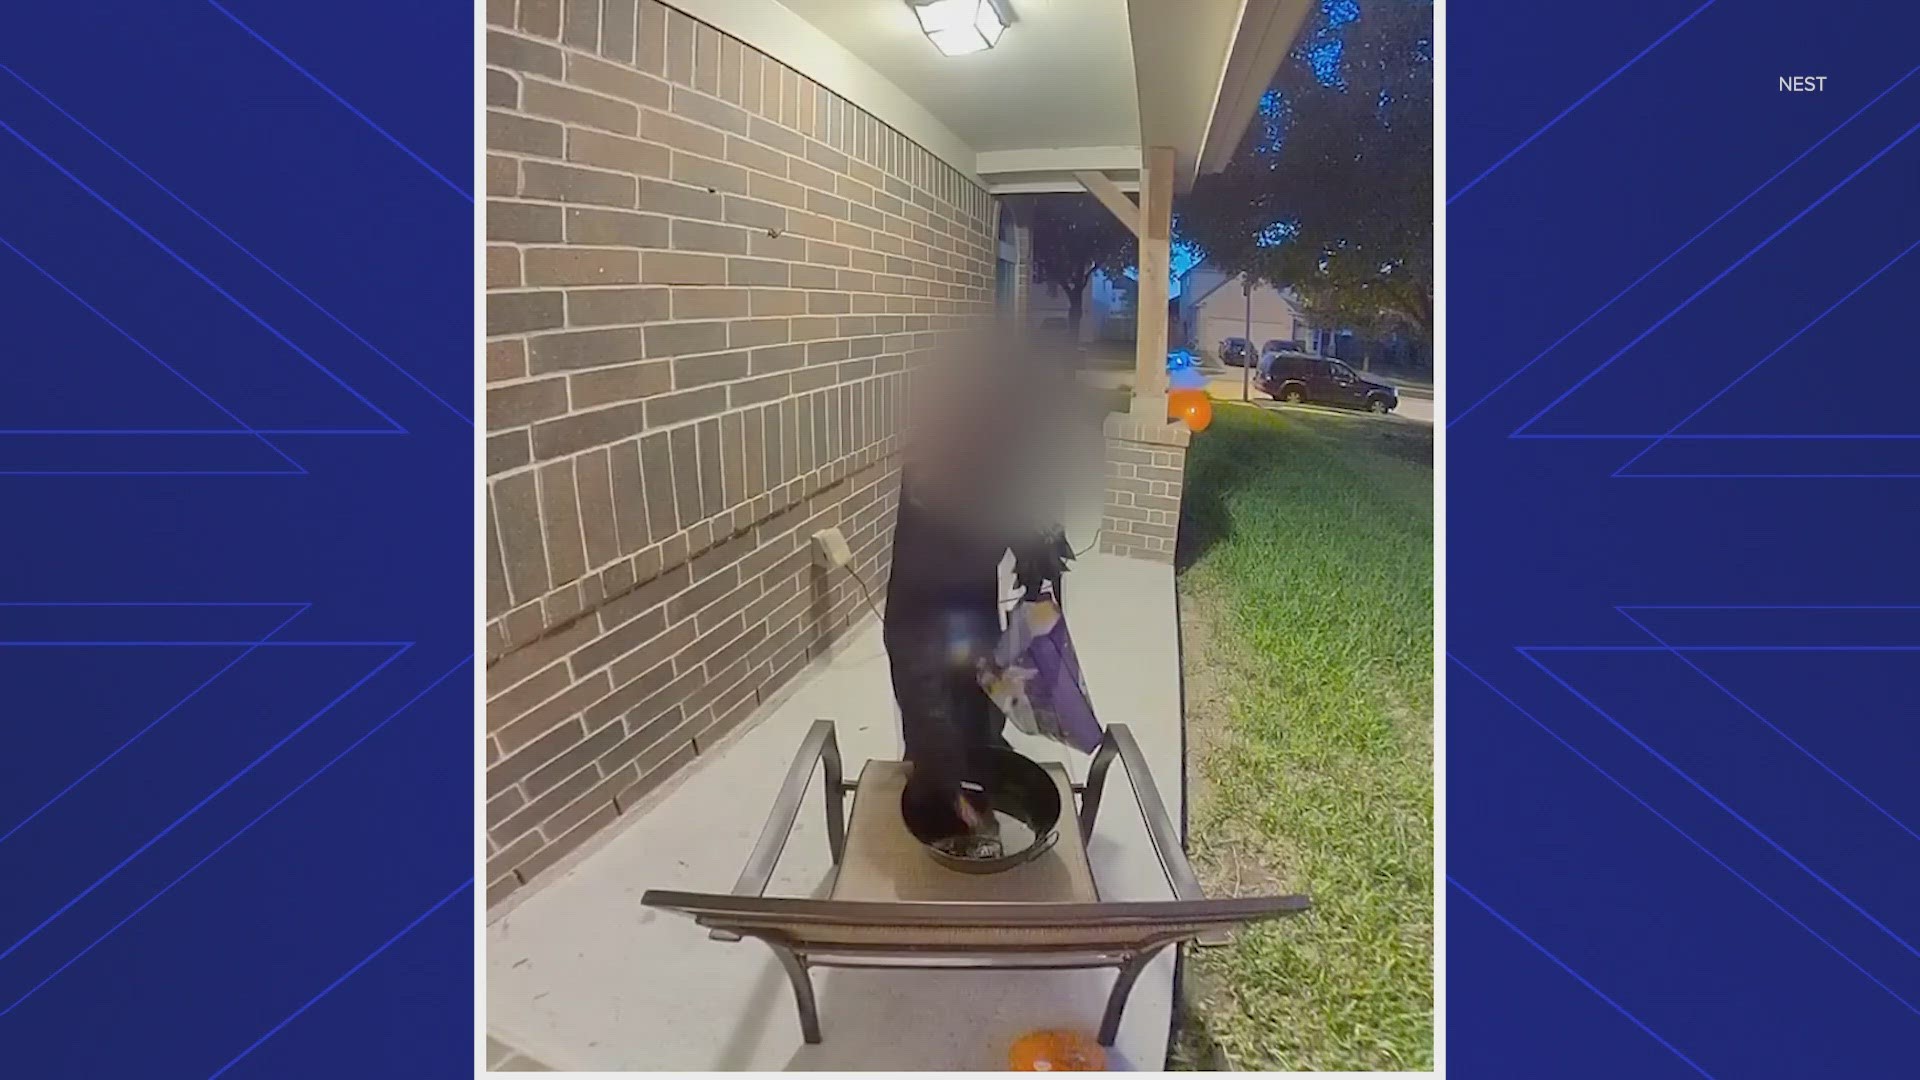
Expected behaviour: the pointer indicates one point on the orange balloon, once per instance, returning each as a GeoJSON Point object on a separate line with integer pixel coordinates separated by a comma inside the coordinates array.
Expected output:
{"type": "Point", "coordinates": [1192, 406]}
{"type": "Point", "coordinates": [1056, 1051]}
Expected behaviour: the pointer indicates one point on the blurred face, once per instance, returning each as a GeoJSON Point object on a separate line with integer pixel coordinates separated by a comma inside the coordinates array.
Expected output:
{"type": "Point", "coordinates": [987, 416]}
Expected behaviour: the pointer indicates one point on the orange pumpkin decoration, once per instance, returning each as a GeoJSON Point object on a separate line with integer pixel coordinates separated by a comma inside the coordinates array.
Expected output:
{"type": "Point", "coordinates": [1192, 406]}
{"type": "Point", "coordinates": [1056, 1051]}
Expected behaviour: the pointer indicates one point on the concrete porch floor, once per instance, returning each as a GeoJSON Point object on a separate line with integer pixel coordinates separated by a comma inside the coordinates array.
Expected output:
{"type": "Point", "coordinates": [580, 977]}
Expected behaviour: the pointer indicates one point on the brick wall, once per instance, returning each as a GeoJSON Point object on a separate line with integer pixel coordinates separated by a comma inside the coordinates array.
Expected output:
{"type": "Point", "coordinates": [708, 280]}
{"type": "Point", "coordinates": [1146, 467]}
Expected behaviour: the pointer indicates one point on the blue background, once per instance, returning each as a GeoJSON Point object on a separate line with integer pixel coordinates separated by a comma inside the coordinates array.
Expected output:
{"type": "Point", "coordinates": [236, 591]}
{"type": "Point", "coordinates": [1682, 445]}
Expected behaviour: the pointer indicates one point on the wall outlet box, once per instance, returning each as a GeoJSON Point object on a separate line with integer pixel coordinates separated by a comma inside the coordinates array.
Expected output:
{"type": "Point", "coordinates": [830, 548]}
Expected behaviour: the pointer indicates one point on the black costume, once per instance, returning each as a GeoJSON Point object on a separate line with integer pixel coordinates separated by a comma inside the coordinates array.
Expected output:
{"type": "Point", "coordinates": [970, 491]}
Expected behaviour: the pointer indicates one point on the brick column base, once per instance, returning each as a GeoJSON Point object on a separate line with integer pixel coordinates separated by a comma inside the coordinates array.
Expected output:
{"type": "Point", "coordinates": [1146, 469]}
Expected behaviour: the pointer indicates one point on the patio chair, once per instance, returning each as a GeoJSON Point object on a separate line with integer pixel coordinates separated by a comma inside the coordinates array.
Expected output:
{"type": "Point", "coordinates": [890, 905]}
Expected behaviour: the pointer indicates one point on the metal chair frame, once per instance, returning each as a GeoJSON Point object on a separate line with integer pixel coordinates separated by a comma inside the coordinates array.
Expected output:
{"type": "Point", "coordinates": [747, 912]}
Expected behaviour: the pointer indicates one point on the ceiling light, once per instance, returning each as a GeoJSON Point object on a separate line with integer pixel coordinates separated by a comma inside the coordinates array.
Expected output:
{"type": "Point", "coordinates": [959, 27]}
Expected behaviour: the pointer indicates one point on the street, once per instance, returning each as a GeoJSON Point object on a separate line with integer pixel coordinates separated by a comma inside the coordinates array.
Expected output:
{"type": "Point", "coordinates": [1225, 386]}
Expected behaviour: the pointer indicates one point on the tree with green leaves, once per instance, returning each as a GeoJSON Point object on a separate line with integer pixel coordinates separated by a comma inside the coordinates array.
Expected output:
{"type": "Point", "coordinates": [1073, 236]}
{"type": "Point", "coordinates": [1331, 192]}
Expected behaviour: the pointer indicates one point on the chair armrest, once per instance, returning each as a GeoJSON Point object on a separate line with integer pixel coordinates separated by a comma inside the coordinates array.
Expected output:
{"type": "Point", "coordinates": [1166, 839]}
{"type": "Point", "coordinates": [820, 747]}
{"type": "Point", "coordinates": [1119, 742]}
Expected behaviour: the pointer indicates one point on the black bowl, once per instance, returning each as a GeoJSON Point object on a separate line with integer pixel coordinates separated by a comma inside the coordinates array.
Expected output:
{"type": "Point", "coordinates": [1018, 787]}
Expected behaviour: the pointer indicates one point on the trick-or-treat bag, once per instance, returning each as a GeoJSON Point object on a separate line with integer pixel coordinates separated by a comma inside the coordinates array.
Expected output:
{"type": "Point", "coordinates": [1034, 677]}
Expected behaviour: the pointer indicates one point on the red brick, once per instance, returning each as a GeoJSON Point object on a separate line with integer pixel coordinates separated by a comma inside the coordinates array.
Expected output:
{"type": "Point", "coordinates": [685, 339]}
{"type": "Point", "coordinates": [522, 135]}
{"type": "Point", "coordinates": [560, 521]}
{"type": "Point", "coordinates": [564, 845]}
{"type": "Point", "coordinates": [698, 371]}
{"type": "Point", "coordinates": [616, 80]}
{"type": "Point", "coordinates": [682, 752]}
{"type": "Point", "coordinates": [520, 312]}
{"type": "Point", "coordinates": [616, 30]}
{"type": "Point", "coordinates": [581, 266]}
{"type": "Point", "coordinates": [653, 652]}
{"type": "Point", "coordinates": [674, 268]}
{"type": "Point", "coordinates": [617, 152]}
{"type": "Point", "coordinates": [517, 511]}
{"type": "Point", "coordinates": [755, 332]}
{"type": "Point", "coordinates": [578, 107]}
{"type": "Point", "coordinates": [524, 403]}
{"type": "Point", "coordinates": [594, 482]}
{"type": "Point", "coordinates": [580, 23]}
{"type": "Point", "coordinates": [589, 225]}
{"type": "Point", "coordinates": [705, 236]}
{"type": "Point", "coordinates": [626, 383]}
{"type": "Point", "coordinates": [626, 696]}
{"type": "Point", "coordinates": [708, 303]}
{"type": "Point", "coordinates": [605, 307]}
{"type": "Point", "coordinates": [565, 183]}
{"type": "Point", "coordinates": [661, 127]}
{"type": "Point", "coordinates": [580, 431]}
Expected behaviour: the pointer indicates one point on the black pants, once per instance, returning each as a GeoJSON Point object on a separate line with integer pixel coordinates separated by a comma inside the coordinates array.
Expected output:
{"type": "Point", "coordinates": [942, 616]}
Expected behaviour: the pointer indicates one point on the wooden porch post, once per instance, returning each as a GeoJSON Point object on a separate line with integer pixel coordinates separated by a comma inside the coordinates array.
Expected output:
{"type": "Point", "coordinates": [1156, 242]}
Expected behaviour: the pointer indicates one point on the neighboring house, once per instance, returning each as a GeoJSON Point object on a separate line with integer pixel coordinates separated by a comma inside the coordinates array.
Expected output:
{"type": "Point", "coordinates": [1100, 306]}
{"type": "Point", "coordinates": [1214, 306]}
{"type": "Point", "coordinates": [1006, 265]}
{"type": "Point", "coordinates": [1393, 352]}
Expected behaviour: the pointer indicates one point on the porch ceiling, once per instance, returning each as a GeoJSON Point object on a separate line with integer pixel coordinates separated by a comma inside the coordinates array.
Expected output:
{"type": "Point", "coordinates": [1073, 85]}
{"type": "Point", "coordinates": [1062, 74]}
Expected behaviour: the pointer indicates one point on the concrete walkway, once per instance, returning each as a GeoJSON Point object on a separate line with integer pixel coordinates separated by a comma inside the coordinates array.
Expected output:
{"type": "Point", "coordinates": [580, 977]}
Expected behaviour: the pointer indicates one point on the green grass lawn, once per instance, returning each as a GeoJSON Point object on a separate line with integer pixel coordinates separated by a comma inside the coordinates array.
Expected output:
{"type": "Point", "coordinates": [1306, 591]}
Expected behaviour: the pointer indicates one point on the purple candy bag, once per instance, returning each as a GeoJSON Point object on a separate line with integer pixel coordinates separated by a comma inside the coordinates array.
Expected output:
{"type": "Point", "coordinates": [1035, 678]}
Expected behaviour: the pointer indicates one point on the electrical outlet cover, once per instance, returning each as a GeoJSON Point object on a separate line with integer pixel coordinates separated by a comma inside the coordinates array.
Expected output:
{"type": "Point", "coordinates": [830, 547]}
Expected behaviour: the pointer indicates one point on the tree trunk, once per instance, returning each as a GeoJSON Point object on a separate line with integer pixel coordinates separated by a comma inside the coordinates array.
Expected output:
{"type": "Point", "coordinates": [1074, 311]}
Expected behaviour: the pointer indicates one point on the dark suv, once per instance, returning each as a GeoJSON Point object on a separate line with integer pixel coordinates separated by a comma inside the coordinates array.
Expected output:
{"type": "Point", "coordinates": [1297, 377]}
{"type": "Point", "coordinates": [1236, 351]}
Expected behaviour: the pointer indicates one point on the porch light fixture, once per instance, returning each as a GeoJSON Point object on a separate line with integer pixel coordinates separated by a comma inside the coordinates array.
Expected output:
{"type": "Point", "coordinates": [959, 27]}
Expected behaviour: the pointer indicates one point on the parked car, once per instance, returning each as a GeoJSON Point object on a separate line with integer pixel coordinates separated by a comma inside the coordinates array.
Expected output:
{"type": "Point", "coordinates": [1274, 349]}
{"type": "Point", "coordinates": [1275, 346]}
{"type": "Point", "coordinates": [1296, 377]}
{"type": "Point", "coordinates": [1236, 351]}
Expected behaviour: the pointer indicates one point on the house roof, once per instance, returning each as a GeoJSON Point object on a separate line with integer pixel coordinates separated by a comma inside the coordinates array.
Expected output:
{"type": "Point", "coordinates": [1202, 298]}
{"type": "Point", "coordinates": [1285, 294]}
